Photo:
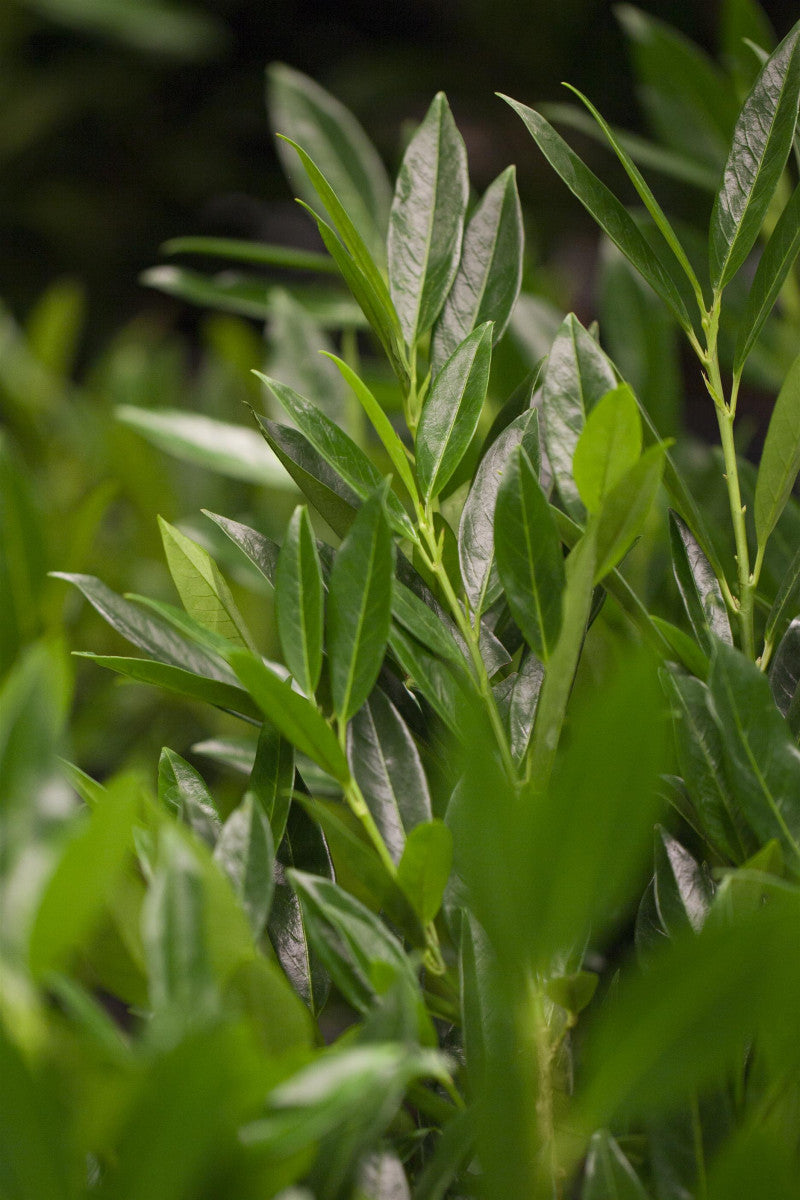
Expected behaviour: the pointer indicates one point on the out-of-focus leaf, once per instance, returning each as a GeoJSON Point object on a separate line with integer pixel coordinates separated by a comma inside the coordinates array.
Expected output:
{"type": "Point", "coordinates": [204, 593]}
{"type": "Point", "coordinates": [682, 890]}
{"type": "Point", "coordinates": [257, 254]}
{"type": "Point", "coordinates": [183, 789]}
{"type": "Point", "coordinates": [625, 510]}
{"type": "Point", "coordinates": [698, 586]}
{"type": "Point", "coordinates": [608, 1175]}
{"type": "Point", "coordinates": [427, 220]}
{"type": "Point", "coordinates": [381, 1177]}
{"type": "Point", "coordinates": [297, 348]}
{"type": "Point", "coordinates": [246, 854]}
{"type": "Point", "coordinates": [424, 868]}
{"type": "Point", "coordinates": [34, 1153]}
{"type": "Point", "coordinates": [298, 602]}
{"type": "Point", "coordinates": [23, 562]}
{"type": "Point", "coordinates": [609, 445]}
{"type": "Point", "coordinates": [780, 458]}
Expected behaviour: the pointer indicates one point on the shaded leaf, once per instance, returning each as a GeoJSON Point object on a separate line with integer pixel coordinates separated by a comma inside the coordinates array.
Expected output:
{"type": "Point", "coordinates": [780, 458]}
{"type": "Point", "coordinates": [185, 683]}
{"type": "Point", "coordinates": [272, 778]}
{"type": "Point", "coordinates": [260, 550]}
{"type": "Point", "coordinates": [246, 853]}
{"type": "Point", "coordinates": [780, 254]}
{"type": "Point", "coordinates": [298, 602]}
{"type": "Point", "coordinates": [608, 1175]}
{"type": "Point", "coordinates": [698, 586]}
{"type": "Point", "coordinates": [682, 889]}
{"type": "Point", "coordinates": [332, 497]}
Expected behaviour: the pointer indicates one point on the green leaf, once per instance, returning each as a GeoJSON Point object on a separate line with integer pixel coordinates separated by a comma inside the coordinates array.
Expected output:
{"type": "Point", "coordinates": [82, 884]}
{"type": "Point", "coordinates": [385, 763]}
{"type": "Point", "coordinates": [761, 143]}
{"type": "Point", "coordinates": [609, 446]}
{"type": "Point", "coordinates": [176, 679]}
{"type": "Point", "coordinates": [577, 375]}
{"type": "Point", "coordinates": [439, 682]}
{"type": "Point", "coordinates": [298, 602]}
{"type": "Point", "coordinates": [272, 778]}
{"type": "Point", "coordinates": [742, 20]}
{"type": "Point", "coordinates": [332, 497]}
{"type": "Point", "coordinates": [246, 853]}
{"type": "Point", "coordinates": [698, 586]}
{"type": "Point", "coordinates": [260, 550]}
{"type": "Point", "coordinates": [489, 273]}
{"type": "Point", "coordinates": [605, 208]}
{"type": "Point", "coordinates": [303, 845]}
{"type": "Point", "coordinates": [256, 254]}
{"type": "Point", "coordinates": [23, 560]}
{"type": "Point", "coordinates": [572, 992]}
{"type": "Point", "coordinates": [340, 451]}
{"type": "Point", "coordinates": [524, 698]}
{"type": "Point", "coordinates": [682, 889]}
{"type": "Point", "coordinates": [424, 869]}
{"type": "Point", "coordinates": [780, 458]}
{"type": "Point", "coordinates": [34, 1132]}
{"type": "Point", "coordinates": [476, 550]}
{"type": "Point", "coordinates": [787, 599]}
{"type": "Point", "coordinates": [232, 450]}
{"type": "Point", "coordinates": [427, 220]}
{"type": "Point", "coordinates": [529, 557]}
{"type": "Point", "coordinates": [784, 675]}
{"type": "Point", "coordinates": [204, 593]}
{"type": "Point", "coordinates": [359, 607]}
{"type": "Point", "coordinates": [296, 718]}
{"type": "Point", "coordinates": [429, 625]}
{"type": "Point", "coordinates": [296, 354]}
{"type": "Point", "coordinates": [452, 410]}
{"type": "Point", "coordinates": [335, 140]}
{"type": "Point", "coordinates": [183, 789]}
{"type": "Point", "coordinates": [774, 265]}
{"type": "Point", "coordinates": [625, 510]}
{"type": "Point", "coordinates": [608, 1175]}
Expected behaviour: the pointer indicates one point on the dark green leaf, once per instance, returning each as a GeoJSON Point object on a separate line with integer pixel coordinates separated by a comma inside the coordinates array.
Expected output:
{"type": "Point", "coordinates": [332, 497]}
{"type": "Point", "coordinates": [773, 267]}
{"type": "Point", "coordinates": [303, 846]}
{"type": "Point", "coordinates": [298, 602]}
{"type": "Point", "coordinates": [424, 869]}
{"type": "Point", "coordinates": [439, 683]}
{"type": "Point", "coordinates": [787, 599]}
{"type": "Point", "coordinates": [428, 624]}
{"type": "Point", "coordinates": [23, 562]}
{"type": "Point", "coordinates": [359, 606]}
{"type": "Point", "coordinates": [334, 139]}
{"type": "Point", "coordinates": [296, 718]}
{"type": "Point", "coordinates": [489, 274]}
{"type": "Point", "coordinates": [183, 789]}
{"type": "Point", "coordinates": [185, 683]}
{"type": "Point", "coordinates": [246, 853]}
{"type": "Point", "coordinates": [682, 889]}
{"type": "Point", "coordinates": [524, 697]}
{"type": "Point", "coordinates": [529, 557]}
{"type": "Point", "coordinates": [625, 510]}
{"type": "Point", "coordinates": [609, 445]}
{"type": "Point", "coordinates": [608, 1175]}
{"type": "Point", "coordinates": [272, 778]}
{"type": "Point", "coordinates": [386, 765]}
{"type": "Point", "coordinates": [605, 208]}
{"type": "Point", "coordinates": [476, 528]}
{"type": "Point", "coordinates": [780, 458]}
{"type": "Point", "coordinates": [761, 143]}
{"type": "Point", "coordinates": [204, 593]}
{"type": "Point", "coordinates": [261, 551]}
{"type": "Point", "coordinates": [698, 586]}
{"type": "Point", "coordinates": [427, 220]}
{"type": "Point", "coordinates": [452, 410]}
{"type": "Point", "coordinates": [784, 675]}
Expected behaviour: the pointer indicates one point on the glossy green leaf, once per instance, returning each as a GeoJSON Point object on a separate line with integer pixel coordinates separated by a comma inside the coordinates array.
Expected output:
{"type": "Point", "coordinates": [386, 765]}
{"type": "Point", "coordinates": [625, 510]}
{"type": "Point", "coordinates": [577, 375]}
{"type": "Point", "coordinates": [784, 675]}
{"type": "Point", "coordinates": [176, 679]}
{"type": "Point", "coordinates": [204, 593]}
{"type": "Point", "coordinates": [346, 458]}
{"type": "Point", "coordinates": [332, 497]}
{"type": "Point", "coordinates": [271, 778]}
{"type": "Point", "coordinates": [428, 624]}
{"type": "Point", "coordinates": [524, 698]}
{"type": "Point", "coordinates": [787, 599]}
{"type": "Point", "coordinates": [441, 685]}
{"type": "Point", "coordinates": [476, 528]}
{"type": "Point", "coordinates": [529, 557]}
{"type": "Point", "coordinates": [359, 607]}
{"type": "Point", "coordinates": [682, 889]}
{"type": "Point", "coordinates": [427, 220]}
{"type": "Point", "coordinates": [425, 866]}
{"type": "Point", "coordinates": [296, 718]}
{"type": "Point", "coordinates": [761, 143]}
{"type": "Point", "coordinates": [183, 789]}
{"type": "Point", "coordinates": [246, 853]}
{"type": "Point", "coordinates": [780, 254]}
{"type": "Point", "coordinates": [298, 602]}
{"type": "Point", "coordinates": [780, 458]}
{"type": "Point", "coordinates": [452, 410]}
{"type": "Point", "coordinates": [698, 586]}
{"type": "Point", "coordinates": [256, 254]}
{"type": "Point", "coordinates": [259, 549]}
{"type": "Point", "coordinates": [489, 273]}
{"type": "Point", "coordinates": [605, 208]}
{"type": "Point", "coordinates": [609, 445]}
{"type": "Point", "coordinates": [336, 142]}
{"type": "Point", "coordinates": [608, 1175]}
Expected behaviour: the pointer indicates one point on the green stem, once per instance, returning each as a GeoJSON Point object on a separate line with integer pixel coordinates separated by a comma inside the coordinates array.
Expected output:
{"type": "Point", "coordinates": [746, 580]}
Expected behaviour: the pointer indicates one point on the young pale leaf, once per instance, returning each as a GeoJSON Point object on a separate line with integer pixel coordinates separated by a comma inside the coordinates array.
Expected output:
{"type": "Point", "coordinates": [183, 789]}
{"type": "Point", "coordinates": [427, 220]}
{"type": "Point", "coordinates": [296, 718]}
{"type": "Point", "coordinates": [185, 683]}
{"type": "Point", "coordinates": [359, 606]}
{"type": "Point", "coordinates": [489, 274]}
{"type": "Point", "coordinates": [608, 1175]}
{"type": "Point", "coordinates": [773, 267]}
{"type": "Point", "coordinates": [609, 445]}
{"type": "Point", "coordinates": [298, 602]}
{"type": "Point", "coordinates": [761, 143]}
{"type": "Point", "coordinates": [452, 410]}
{"type": "Point", "coordinates": [340, 451]}
{"type": "Point", "coordinates": [424, 869]}
{"type": "Point", "coordinates": [625, 509]}
{"type": "Point", "coordinates": [698, 586]}
{"type": "Point", "coordinates": [476, 528]}
{"type": "Point", "coordinates": [386, 765]}
{"type": "Point", "coordinates": [246, 853]}
{"type": "Point", "coordinates": [204, 593]}
{"type": "Point", "coordinates": [780, 458]}
{"type": "Point", "coordinates": [529, 556]}
{"type": "Point", "coordinates": [329, 132]}
{"type": "Point", "coordinates": [578, 374]}
{"type": "Point", "coordinates": [605, 208]}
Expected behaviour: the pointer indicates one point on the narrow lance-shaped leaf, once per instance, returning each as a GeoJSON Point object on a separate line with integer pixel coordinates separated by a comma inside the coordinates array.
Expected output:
{"type": "Point", "coordinates": [359, 607]}
{"type": "Point", "coordinates": [529, 556]}
{"type": "Point", "coordinates": [698, 585]}
{"type": "Point", "coordinates": [452, 410]}
{"type": "Point", "coordinates": [780, 458]}
{"type": "Point", "coordinates": [609, 445]}
{"type": "Point", "coordinates": [246, 854]}
{"type": "Point", "coordinates": [625, 510]}
{"type": "Point", "coordinates": [331, 495]}
{"type": "Point", "coordinates": [183, 789]}
{"type": "Point", "coordinates": [204, 593]}
{"type": "Point", "coordinates": [605, 208]}
{"type": "Point", "coordinates": [185, 683]}
{"type": "Point", "coordinates": [773, 267]}
{"type": "Point", "coordinates": [272, 778]}
{"type": "Point", "coordinates": [298, 602]}
{"type": "Point", "coordinates": [427, 220]}
{"type": "Point", "coordinates": [489, 274]}
{"type": "Point", "coordinates": [761, 143]}
{"type": "Point", "coordinates": [259, 254]}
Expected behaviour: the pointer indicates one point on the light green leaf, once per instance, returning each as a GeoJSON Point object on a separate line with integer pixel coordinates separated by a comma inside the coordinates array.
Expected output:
{"type": "Point", "coordinates": [425, 866]}
{"type": "Point", "coordinates": [296, 348]}
{"type": "Point", "coordinates": [609, 445]}
{"type": "Point", "coordinates": [298, 602]}
{"type": "Point", "coordinates": [246, 853]}
{"type": "Point", "coordinates": [183, 789]}
{"type": "Point", "coordinates": [780, 458]}
{"type": "Point", "coordinates": [608, 1175]}
{"type": "Point", "coordinates": [204, 593]}
{"type": "Point", "coordinates": [427, 220]}
{"type": "Point", "coordinates": [359, 606]}
{"type": "Point", "coordinates": [452, 410]}
{"type": "Point", "coordinates": [625, 510]}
